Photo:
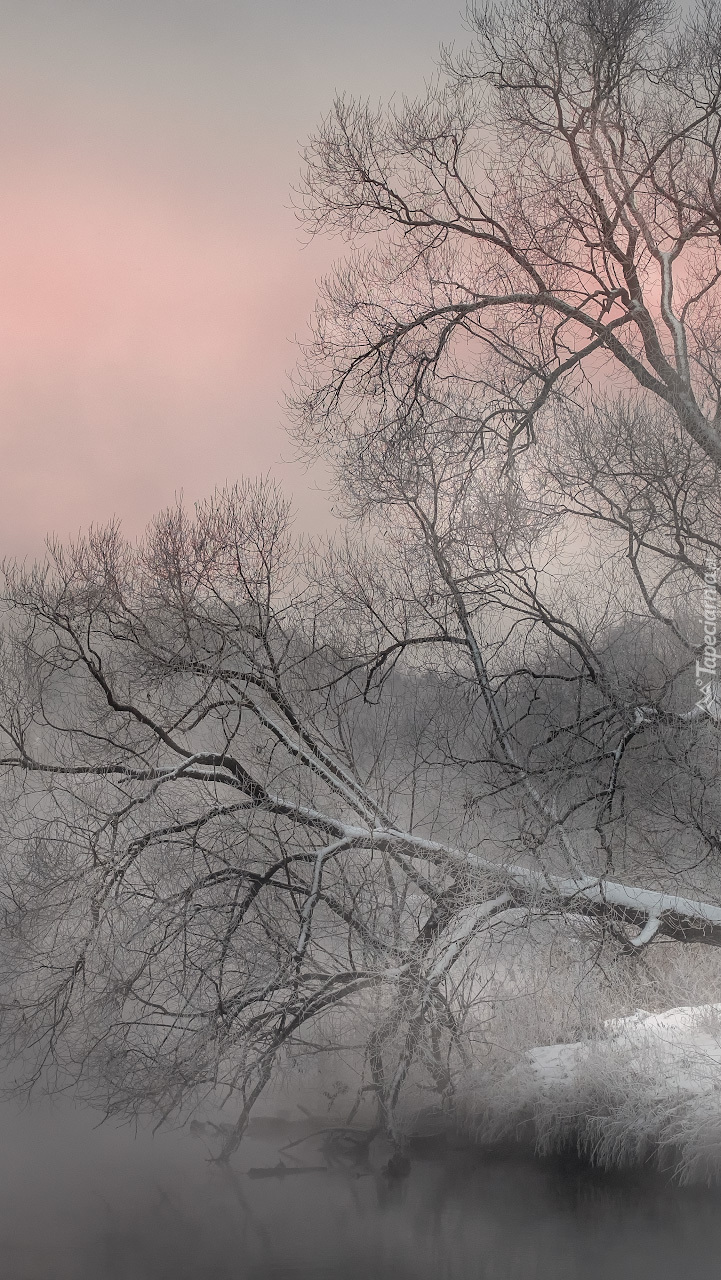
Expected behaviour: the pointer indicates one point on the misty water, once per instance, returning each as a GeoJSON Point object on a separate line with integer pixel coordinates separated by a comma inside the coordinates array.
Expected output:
{"type": "Point", "coordinates": [85, 1203]}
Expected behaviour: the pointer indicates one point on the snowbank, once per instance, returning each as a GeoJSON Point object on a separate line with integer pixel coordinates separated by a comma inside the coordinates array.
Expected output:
{"type": "Point", "coordinates": [647, 1090]}
{"type": "Point", "coordinates": [679, 1050]}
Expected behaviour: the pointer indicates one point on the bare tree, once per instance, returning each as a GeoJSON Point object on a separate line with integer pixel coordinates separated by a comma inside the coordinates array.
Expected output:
{"type": "Point", "coordinates": [247, 785]}
{"type": "Point", "coordinates": [258, 793]}
{"type": "Point", "coordinates": [200, 855]}
{"type": "Point", "coordinates": [548, 213]}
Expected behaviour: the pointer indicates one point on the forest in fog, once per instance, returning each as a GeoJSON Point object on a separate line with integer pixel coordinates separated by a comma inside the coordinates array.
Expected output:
{"type": "Point", "coordinates": [373, 819]}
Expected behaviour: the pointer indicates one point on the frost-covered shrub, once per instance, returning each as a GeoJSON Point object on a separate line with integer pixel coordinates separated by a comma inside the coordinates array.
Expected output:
{"type": "Point", "coordinates": [565, 1058]}
{"type": "Point", "coordinates": [647, 1089]}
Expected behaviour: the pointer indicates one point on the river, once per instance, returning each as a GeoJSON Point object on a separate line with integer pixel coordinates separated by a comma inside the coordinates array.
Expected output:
{"type": "Point", "coordinates": [85, 1203]}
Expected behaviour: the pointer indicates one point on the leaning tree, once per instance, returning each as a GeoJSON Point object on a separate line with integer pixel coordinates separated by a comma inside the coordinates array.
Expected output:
{"type": "Point", "coordinates": [257, 796]}
{"type": "Point", "coordinates": [261, 797]}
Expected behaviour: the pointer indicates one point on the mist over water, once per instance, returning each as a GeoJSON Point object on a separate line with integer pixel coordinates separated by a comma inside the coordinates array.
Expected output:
{"type": "Point", "coordinates": [80, 1202]}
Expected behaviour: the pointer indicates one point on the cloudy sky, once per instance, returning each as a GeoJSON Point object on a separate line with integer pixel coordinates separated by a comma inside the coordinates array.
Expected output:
{"type": "Point", "coordinates": [152, 277]}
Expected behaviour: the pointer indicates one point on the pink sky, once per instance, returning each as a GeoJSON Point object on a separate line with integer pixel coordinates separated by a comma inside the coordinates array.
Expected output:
{"type": "Point", "coordinates": [152, 278]}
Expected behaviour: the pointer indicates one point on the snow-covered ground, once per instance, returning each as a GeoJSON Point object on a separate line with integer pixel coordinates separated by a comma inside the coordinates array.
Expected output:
{"type": "Point", "coordinates": [679, 1051]}
{"type": "Point", "coordinates": [648, 1089]}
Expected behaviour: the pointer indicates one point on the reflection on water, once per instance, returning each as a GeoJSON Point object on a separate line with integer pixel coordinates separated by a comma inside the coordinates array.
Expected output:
{"type": "Point", "coordinates": [84, 1204]}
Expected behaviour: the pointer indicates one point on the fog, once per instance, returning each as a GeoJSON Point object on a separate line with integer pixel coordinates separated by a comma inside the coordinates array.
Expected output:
{"type": "Point", "coordinates": [82, 1201]}
{"type": "Point", "coordinates": [154, 279]}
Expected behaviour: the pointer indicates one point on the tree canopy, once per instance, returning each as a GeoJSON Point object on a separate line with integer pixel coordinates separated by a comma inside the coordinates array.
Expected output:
{"type": "Point", "coordinates": [546, 217]}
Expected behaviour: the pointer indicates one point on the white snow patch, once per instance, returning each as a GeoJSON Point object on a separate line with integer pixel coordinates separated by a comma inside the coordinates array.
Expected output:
{"type": "Point", "coordinates": [648, 1087]}
{"type": "Point", "coordinates": [678, 1051]}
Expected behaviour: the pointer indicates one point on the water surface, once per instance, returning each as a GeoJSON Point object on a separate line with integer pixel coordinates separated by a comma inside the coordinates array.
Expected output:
{"type": "Point", "coordinates": [78, 1203]}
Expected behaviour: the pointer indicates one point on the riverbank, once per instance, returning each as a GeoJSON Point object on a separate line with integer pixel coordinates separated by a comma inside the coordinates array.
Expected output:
{"type": "Point", "coordinates": [646, 1092]}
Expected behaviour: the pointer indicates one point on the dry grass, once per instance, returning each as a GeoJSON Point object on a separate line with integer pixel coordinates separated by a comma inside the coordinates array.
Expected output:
{"type": "Point", "coordinates": [618, 1101]}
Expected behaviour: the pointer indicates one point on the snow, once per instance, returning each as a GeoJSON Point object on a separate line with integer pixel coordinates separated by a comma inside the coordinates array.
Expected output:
{"type": "Point", "coordinates": [646, 1088]}
{"type": "Point", "coordinates": [678, 1051]}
